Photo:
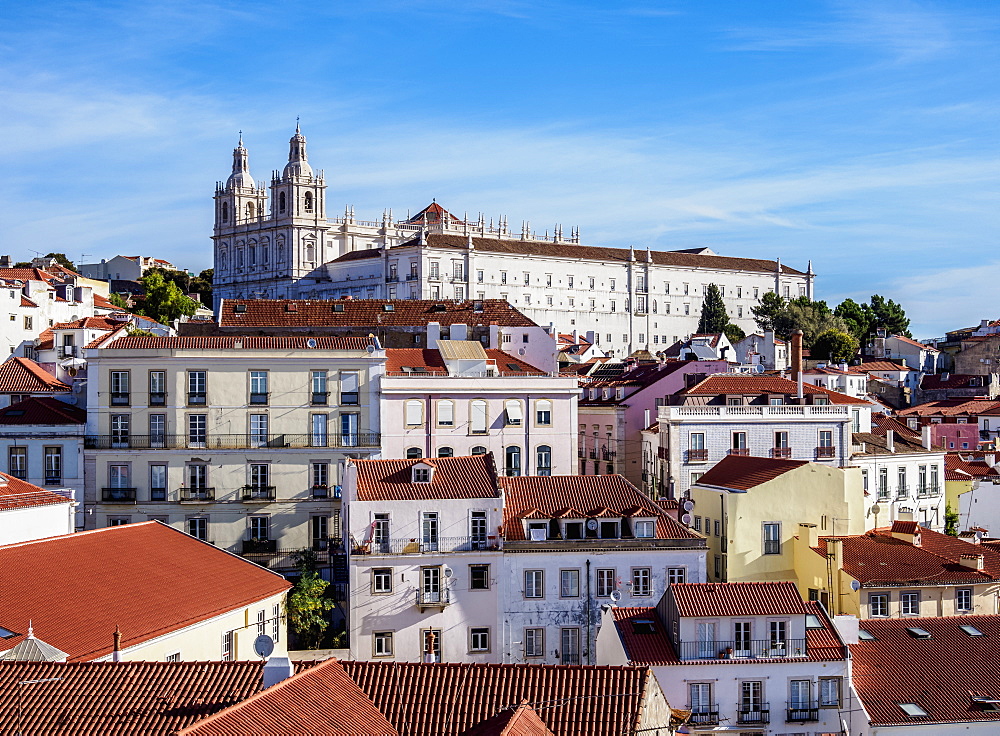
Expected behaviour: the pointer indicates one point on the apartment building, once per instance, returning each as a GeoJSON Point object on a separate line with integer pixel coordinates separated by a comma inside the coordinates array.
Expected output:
{"type": "Point", "coordinates": [462, 399]}
{"type": "Point", "coordinates": [30, 512]}
{"type": "Point", "coordinates": [240, 441]}
{"type": "Point", "coordinates": [747, 658]}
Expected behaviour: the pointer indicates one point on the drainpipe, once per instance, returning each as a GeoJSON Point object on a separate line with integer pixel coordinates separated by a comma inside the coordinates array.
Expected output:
{"type": "Point", "coordinates": [590, 648]}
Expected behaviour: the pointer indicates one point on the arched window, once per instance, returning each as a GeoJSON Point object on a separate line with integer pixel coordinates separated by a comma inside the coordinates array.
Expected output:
{"type": "Point", "coordinates": [512, 461]}
{"type": "Point", "coordinates": [239, 258]}
{"type": "Point", "coordinates": [252, 253]}
{"type": "Point", "coordinates": [223, 261]}
{"type": "Point", "coordinates": [446, 413]}
{"type": "Point", "coordinates": [446, 452]}
{"type": "Point", "coordinates": [543, 460]}
{"type": "Point", "coordinates": [512, 408]}
{"type": "Point", "coordinates": [414, 413]}
{"type": "Point", "coordinates": [249, 210]}
{"type": "Point", "coordinates": [543, 413]}
{"type": "Point", "coordinates": [654, 306]}
{"type": "Point", "coordinates": [310, 250]}
{"type": "Point", "coordinates": [280, 245]}
{"type": "Point", "coordinates": [225, 211]}
{"type": "Point", "coordinates": [281, 202]}
{"type": "Point", "coordinates": [308, 204]}
{"type": "Point", "coordinates": [413, 452]}
{"type": "Point", "coordinates": [479, 450]}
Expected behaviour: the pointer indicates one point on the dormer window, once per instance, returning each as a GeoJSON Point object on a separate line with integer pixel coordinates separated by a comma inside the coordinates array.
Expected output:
{"type": "Point", "coordinates": [422, 473]}
{"type": "Point", "coordinates": [574, 530]}
{"type": "Point", "coordinates": [609, 529]}
{"type": "Point", "coordinates": [538, 531]}
{"type": "Point", "coordinates": [644, 528]}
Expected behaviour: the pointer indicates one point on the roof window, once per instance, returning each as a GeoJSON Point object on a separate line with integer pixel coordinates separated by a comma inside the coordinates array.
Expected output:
{"type": "Point", "coordinates": [971, 630]}
{"type": "Point", "coordinates": [918, 633]}
{"type": "Point", "coordinates": [14, 413]}
{"type": "Point", "coordinates": [513, 367]}
{"type": "Point", "coordinates": [865, 635]}
{"type": "Point", "coordinates": [291, 307]}
{"type": "Point", "coordinates": [439, 308]}
{"type": "Point", "coordinates": [6, 633]}
{"type": "Point", "coordinates": [813, 622]}
{"type": "Point", "coordinates": [913, 710]}
{"type": "Point", "coordinates": [338, 307]}
{"type": "Point", "coordinates": [643, 626]}
{"type": "Point", "coordinates": [240, 309]}
{"type": "Point", "coordinates": [388, 307]}
{"type": "Point", "coordinates": [422, 473]}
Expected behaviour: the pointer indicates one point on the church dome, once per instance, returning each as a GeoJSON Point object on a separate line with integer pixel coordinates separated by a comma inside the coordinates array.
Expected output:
{"type": "Point", "coordinates": [297, 164]}
{"type": "Point", "coordinates": [240, 178]}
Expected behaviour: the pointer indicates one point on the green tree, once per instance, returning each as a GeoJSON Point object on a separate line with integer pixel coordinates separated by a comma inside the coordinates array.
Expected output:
{"type": "Point", "coordinates": [713, 312]}
{"type": "Point", "coordinates": [950, 521]}
{"type": "Point", "coordinates": [835, 345]}
{"type": "Point", "coordinates": [63, 260]}
{"type": "Point", "coordinates": [735, 333]}
{"type": "Point", "coordinates": [771, 305]}
{"type": "Point", "coordinates": [118, 301]}
{"type": "Point", "coordinates": [307, 607]}
{"type": "Point", "coordinates": [202, 285]}
{"type": "Point", "coordinates": [164, 301]}
{"type": "Point", "coordinates": [888, 315]}
{"type": "Point", "coordinates": [813, 318]}
{"type": "Point", "coordinates": [856, 316]}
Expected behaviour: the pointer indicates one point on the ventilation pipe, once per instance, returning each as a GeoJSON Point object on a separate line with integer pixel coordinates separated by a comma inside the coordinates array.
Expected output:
{"type": "Point", "coordinates": [116, 654]}
{"type": "Point", "coordinates": [797, 362]}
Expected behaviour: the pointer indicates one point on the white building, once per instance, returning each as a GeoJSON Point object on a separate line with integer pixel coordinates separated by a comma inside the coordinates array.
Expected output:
{"type": "Point", "coordinates": [764, 350]}
{"type": "Point", "coordinates": [461, 399]}
{"type": "Point", "coordinates": [452, 563]}
{"type": "Point", "coordinates": [29, 512]}
{"type": "Point", "coordinates": [748, 658]}
{"type": "Point", "coordinates": [124, 268]}
{"type": "Point", "coordinates": [288, 246]}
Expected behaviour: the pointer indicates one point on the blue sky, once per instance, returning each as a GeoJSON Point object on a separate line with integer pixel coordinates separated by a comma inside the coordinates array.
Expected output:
{"type": "Point", "coordinates": [861, 135]}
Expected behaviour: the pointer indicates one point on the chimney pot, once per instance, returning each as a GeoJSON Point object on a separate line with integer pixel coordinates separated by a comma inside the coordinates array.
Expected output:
{"type": "Point", "coordinates": [276, 669]}
{"type": "Point", "coordinates": [116, 655]}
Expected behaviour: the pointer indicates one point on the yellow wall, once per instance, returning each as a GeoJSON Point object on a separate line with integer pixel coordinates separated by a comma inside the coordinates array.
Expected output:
{"type": "Point", "coordinates": [955, 488]}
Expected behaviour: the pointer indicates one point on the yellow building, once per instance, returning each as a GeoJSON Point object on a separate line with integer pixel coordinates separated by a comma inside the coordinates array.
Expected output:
{"type": "Point", "coordinates": [750, 508]}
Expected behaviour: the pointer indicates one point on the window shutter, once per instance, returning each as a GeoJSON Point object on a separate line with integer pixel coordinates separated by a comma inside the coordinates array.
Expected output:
{"type": "Point", "coordinates": [413, 412]}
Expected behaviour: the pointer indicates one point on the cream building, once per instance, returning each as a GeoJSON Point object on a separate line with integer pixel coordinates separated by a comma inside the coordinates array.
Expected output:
{"type": "Point", "coordinates": [239, 441]}
{"type": "Point", "coordinates": [285, 245]}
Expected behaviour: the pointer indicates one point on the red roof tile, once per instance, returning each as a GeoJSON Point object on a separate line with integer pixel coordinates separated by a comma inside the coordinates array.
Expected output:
{"type": "Point", "coordinates": [879, 365]}
{"type": "Point", "coordinates": [876, 558]}
{"type": "Point", "coordinates": [728, 384]}
{"type": "Point", "coordinates": [520, 721]}
{"type": "Point", "coordinates": [452, 477]}
{"type": "Point", "coordinates": [448, 699]}
{"type": "Point", "coordinates": [163, 581]}
{"type": "Point", "coordinates": [89, 323]}
{"type": "Point", "coordinates": [434, 213]}
{"type": "Point", "coordinates": [368, 313]}
{"type": "Point", "coordinates": [24, 376]}
{"type": "Point", "coordinates": [229, 342]}
{"type": "Point", "coordinates": [958, 468]}
{"type": "Point", "coordinates": [26, 302]}
{"type": "Point", "coordinates": [742, 472]}
{"type": "Point", "coordinates": [952, 667]}
{"type": "Point", "coordinates": [737, 599]}
{"type": "Point", "coordinates": [938, 381]}
{"type": "Point", "coordinates": [909, 341]}
{"type": "Point", "coordinates": [119, 698]}
{"type": "Point", "coordinates": [551, 495]}
{"type": "Point", "coordinates": [318, 701]}
{"type": "Point", "coordinates": [42, 410]}
{"type": "Point", "coordinates": [102, 302]}
{"type": "Point", "coordinates": [19, 494]}
{"type": "Point", "coordinates": [951, 408]}
{"type": "Point", "coordinates": [883, 423]}
{"type": "Point", "coordinates": [431, 361]}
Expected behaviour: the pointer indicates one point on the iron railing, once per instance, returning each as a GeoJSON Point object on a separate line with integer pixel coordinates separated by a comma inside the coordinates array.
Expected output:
{"type": "Point", "coordinates": [760, 713]}
{"type": "Point", "coordinates": [799, 713]}
{"type": "Point", "coordinates": [416, 546]}
{"type": "Point", "coordinates": [440, 597]}
{"type": "Point", "coordinates": [260, 546]}
{"type": "Point", "coordinates": [826, 452]}
{"type": "Point", "coordinates": [785, 452]}
{"type": "Point", "coordinates": [745, 649]}
{"type": "Point", "coordinates": [198, 494]}
{"type": "Point", "coordinates": [118, 495]}
{"type": "Point", "coordinates": [258, 493]}
{"type": "Point", "coordinates": [705, 715]}
{"type": "Point", "coordinates": [697, 455]}
{"type": "Point", "coordinates": [213, 441]}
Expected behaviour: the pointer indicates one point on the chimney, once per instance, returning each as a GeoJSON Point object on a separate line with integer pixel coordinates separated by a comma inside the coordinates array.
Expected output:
{"type": "Point", "coordinates": [890, 440]}
{"type": "Point", "coordinates": [906, 531]}
{"type": "Point", "coordinates": [116, 654]}
{"type": "Point", "coordinates": [972, 561]}
{"type": "Point", "coordinates": [797, 360]}
{"type": "Point", "coordinates": [6, 262]}
{"type": "Point", "coordinates": [925, 436]}
{"type": "Point", "coordinates": [459, 332]}
{"type": "Point", "coordinates": [276, 669]}
{"type": "Point", "coordinates": [433, 334]}
{"type": "Point", "coordinates": [809, 533]}
{"type": "Point", "coordinates": [848, 627]}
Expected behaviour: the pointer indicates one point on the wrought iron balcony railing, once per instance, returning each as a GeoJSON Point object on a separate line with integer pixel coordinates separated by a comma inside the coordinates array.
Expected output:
{"type": "Point", "coordinates": [118, 495]}
{"type": "Point", "coordinates": [745, 649]}
{"type": "Point", "coordinates": [213, 441]}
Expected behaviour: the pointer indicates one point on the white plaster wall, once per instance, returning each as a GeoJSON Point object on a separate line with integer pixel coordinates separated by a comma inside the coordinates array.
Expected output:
{"type": "Point", "coordinates": [981, 507]}
{"type": "Point", "coordinates": [36, 522]}
{"type": "Point", "coordinates": [928, 511]}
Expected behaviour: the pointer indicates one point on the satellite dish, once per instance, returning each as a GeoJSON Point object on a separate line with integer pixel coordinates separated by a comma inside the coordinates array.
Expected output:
{"type": "Point", "coordinates": [687, 505]}
{"type": "Point", "coordinates": [311, 343]}
{"type": "Point", "coordinates": [263, 645]}
{"type": "Point", "coordinates": [855, 586]}
{"type": "Point", "coordinates": [615, 596]}
{"type": "Point", "coordinates": [686, 519]}
{"type": "Point", "coordinates": [371, 349]}
{"type": "Point", "coordinates": [592, 524]}
{"type": "Point", "coordinates": [448, 572]}
{"type": "Point", "coordinates": [876, 509]}
{"type": "Point", "coordinates": [521, 351]}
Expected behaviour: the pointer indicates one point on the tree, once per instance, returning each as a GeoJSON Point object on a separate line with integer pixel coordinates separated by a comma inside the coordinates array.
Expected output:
{"type": "Point", "coordinates": [735, 333]}
{"type": "Point", "coordinates": [889, 316]}
{"type": "Point", "coordinates": [307, 606]}
{"type": "Point", "coordinates": [813, 318]}
{"type": "Point", "coordinates": [202, 285]}
{"type": "Point", "coordinates": [164, 301]}
{"type": "Point", "coordinates": [63, 260]}
{"type": "Point", "coordinates": [950, 521]}
{"type": "Point", "coordinates": [771, 305]}
{"type": "Point", "coordinates": [857, 317]}
{"type": "Point", "coordinates": [713, 312]}
{"type": "Point", "coordinates": [835, 345]}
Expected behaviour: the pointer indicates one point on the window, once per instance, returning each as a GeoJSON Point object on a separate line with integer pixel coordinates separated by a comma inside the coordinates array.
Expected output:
{"type": "Point", "coordinates": [382, 580]}
{"type": "Point", "coordinates": [197, 478]}
{"type": "Point", "coordinates": [644, 529]}
{"type": "Point", "coordinates": [119, 520]}
{"type": "Point", "coordinates": [415, 413]}
{"type": "Point", "coordinates": [533, 580]}
{"type": "Point", "coordinates": [119, 388]}
{"type": "Point", "coordinates": [479, 450]}
{"type": "Point", "coordinates": [446, 452]}
{"type": "Point", "coordinates": [119, 477]}
{"type": "Point", "coordinates": [963, 600]}
{"type": "Point", "coordinates": [534, 642]}
{"type": "Point", "coordinates": [825, 438]}
{"type": "Point", "coordinates": [260, 528]}
{"type": "Point", "coordinates": [569, 583]}
{"type": "Point", "coordinates": [446, 413]}
{"type": "Point", "coordinates": [883, 483]}
{"type": "Point", "coordinates": [751, 701]}
{"type": "Point", "coordinates": [901, 488]}
{"type": "Point", "coordinates": [718, 525]}
{"type": "Point", "coordinates": [878, 605]}
{"type": "Point", "coordinates": [543, 413]}
{"type": "Point", "coordinates": [512, 407]}
{"type": "Point", "coordinates": [413, 452]}
{"type": "Point", "coordinates": [642, 581]}
{"type": "Point", "coordinates": [382, 643]}
{"type": "Point", "coordinates": [227, 646]}
{"type": "Point", "coordinates": [700, 694]}
{"type": "Point", "coordinates": [157, 430]}
{"type": "Point", "coordinates": [120, 430]}
{"type": "Point", "coordinates": [318, 430]}
{"type": "Point", "coordinates": [258, 430]}
{"type": "Point", "coordinates": [606, 583]}
{"type": "Point", "coordinates": [512, 458]}
{"type": "Point", "coordinates": [197, 387]}
{"type": "Point", "coordinates": [479, 639]}
{"type": "Point", "coordinates": [320, 473]}
{"type": "Point", "coordinates": [435, 270]}
{"type": "Point", "coordinates": [157, 482]}
{"type": "Point", "coordinates": [799, 697]}
{"type": "Point", "coordinates": [258, 387]}
{"type": "Point", "coordinates": [53, 465]}
{"type": "Point", "coordinates": [772, 538]}
{"type": "Point", "coordinates": [479, 413]}
{"type": "Point", "coordinates": [349, 381]}
{"type": "Point", "coordinates": [676, 575]}
{"type": "Point", "coordinates": [570, 641]}
{"type": "Point", "coordinates": [543, 460]}
{"type": "Point", "coordinates": [479, 577]}
{"type": "Point", "coordinates": [739, 441]}
{"type": "Point", "coordinates": [829, 692]}
{"type": "Point", "coordinates": [276, 622]}
{"type": "Point", "coordinates": [909, 603]}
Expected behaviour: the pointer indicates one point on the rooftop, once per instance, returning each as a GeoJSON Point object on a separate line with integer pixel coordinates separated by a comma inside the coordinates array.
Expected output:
{"type": "Point", "coordinates": [879, 365]}
{"type": "Point", "coordinates": [230, 342]}
{"type": "Point", "coordinates": [42, 410]}
{"type": "Point", "coordinates": [427, 360]}
{"type": "Point", "coordinates": [747, 384]}
{"type": "Point", "coordinates": [938, 381]}
{"type": "Point", "coordinates": [743, 472]}
{"type": "Point", "coordinates": [164, 580]}
{"type": "Point", "coordinates": [451, 477]}
{"type": "Point", "coordinates": [737, 599]}
{"type": "Point", "coordinates": [24, 376]}
{"type": "Point", "coordinates": [19, 494]}
{"type": "Point", "coordinates": [951, 408]}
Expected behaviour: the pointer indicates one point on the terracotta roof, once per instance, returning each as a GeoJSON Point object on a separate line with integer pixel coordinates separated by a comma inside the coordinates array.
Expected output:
{"type": "Point", "coordinates": [19, 494]}
{"type": "Point", "coordinates": [452, 477]}
{"type": "Point", "coordinates": [370, 313]}
{"type": "Point", "coordinates": [163, 581]}
{"type": "Point", "coordinates": [89, 323]}
{"type": "Point", "coordinates": [45, 339]}
{"type": "Point", "coordinates": [938, 381]}
{"type": "Point", "coordinates": [33, 274]}
{"type": "Point", "coordinates": [520, 721]}
{"type": "Point", "coordinates": [737, 599]}
{"type": "Point", "coordinates": [107, 336]}
{"type": "Point", "coordinates": [101, 302]}
{"type": "Point", "coordinates": [581, 496]}
{"type": "Point", "coordinates": [877, 443]}
{"type": "Point", "coordinates": [654, 648]}
{"type": "Point", "coordinates": [26, 302]}
{"type": "Point", "coordinates": [570, 340]}
{"type": "Point", "coordinates": [962, 469]}
{"type": "Point", "coordinates": [229, 342]}
{"type": "Point", "coordinates": [576, 252]}
{"type": "Point", "coordinates": [726, 384]}
{"type": "Point", "coordinates": [105, 698]}
{"type": "Point", "coordinates": [876, 558]}
{"type": "Point", "coordinates": [318, 701]}
{"type": "Point", "coordinates": [909, 341]}
{"type": "Point", "coordinates": [879, 365]}
{"type": "Point", "coordinates": [882, 423]}
{"type": "Point", "coordinates": [642, 375]}
{"type": "Point", "coordinates": [448, 699]}
{"type": "Point", "coordinates": [743, 472]}
{"type": "Point", "coordinates": [42, 410]}
{"type": "Point", "coordinates": [434, 213]}
{"type": "Point", "coordinates": [431, 361]}
{"type": "Point", "coordinates": [24, 376]}
{"type": "Point", "coordinates": [951, 407]}
{"type": "Point", "coordinates": [953, 667]}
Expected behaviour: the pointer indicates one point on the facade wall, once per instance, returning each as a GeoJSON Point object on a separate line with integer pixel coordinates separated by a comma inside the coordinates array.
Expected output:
{"type": "Point", "coordinates": [979, 506]}
{"type": "Point", "coordinates": [36, 522]}
{"type": "Point", "coordinates": [907, 501]}
{"type": "Point", "coordinates": [37, 442]}
{"type": "Point", "coordinates": [21, 325]}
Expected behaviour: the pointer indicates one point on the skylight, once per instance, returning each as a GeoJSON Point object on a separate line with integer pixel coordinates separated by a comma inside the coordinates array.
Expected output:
{"type": "Point", "coordinates": [913, 710]}
{"type": "Point", "coordinates": [971, 630]}
{"type": "Point", "coordinates": [388, 307]}
{"type": "Point", "coordinates": [513, 366]}
{"type": "Point", "coordinates": [918, 633]}
{"type": "Point", "coordinates": [865, 635]}
{"type": "Point", "coordinates": [6, 633]}
{"type": "Point", "coordinates": [813, 622]}
{"type": "Point", "coordinates": [15, 413]}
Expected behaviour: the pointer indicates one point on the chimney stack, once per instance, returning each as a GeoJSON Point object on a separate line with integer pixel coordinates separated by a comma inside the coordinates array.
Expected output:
{"type": "Point", "coordinates": [116, 654]}
{"type": "Point", "coordinates": [276, 669]}
{"type": "Point", "coordinates": [925, 436]}
{"type": "Point", "coordinates": [974, 562]}
{"type": "Point", "coordinates": [890, 440]}
{"type": "Point", "coordinates": [797, 360]}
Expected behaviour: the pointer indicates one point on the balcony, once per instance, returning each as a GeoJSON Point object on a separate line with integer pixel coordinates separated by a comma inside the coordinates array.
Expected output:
{"type": "Point", "coordinates": [826, 452]}
{"type": "Point", "coordinates": [391, 279]}
{"type": "Point", "coordinates": [415, 546]}
{"type": "Point", "coordinates": [198, 494]}
{"type": "Point", "coordinates": [196, 398]}
{"type": "Point", "coordinates": [758, 713]}
{"type": "Point", "coordinates": [741, 451]}
{"type": "Point", "coordinates": [433, 598]}
{"type": "Point", "coordinates": [328, 544]}
{"type": "Point", "coordinates": [259, 546]}
{"type": "Point", "coordinates": [157, 398]}
{"type": "Point", "coordinates": [704, 715]}
{"type": "Point", "coordinates": [120, 399]}
{"type": "Point", "coordinates": [412, 277]}
{"type": "Point", "coordinates": [800, 713]}
{"type": "Point", "coordinates": [926, 491]}
{"type": "Point", "coordinates": [320, 398]}
{"type": "Point", "coordinates": [902, 492]}
{"type": "Point", "coordinates": [782, 412]}
{"type": "Point", "coordinates": [229, 441]}
{"type": "Point", "coordinates": [53, 480]}
{"type": "Point", "coordinates": [322, 491]}
{"type": "Point", "coordinates": [349, 398]}
{"type": "Point", "coordinates": [785, 452]}
{"type": "Point", "coordinates": [118, 495]}
{"type": "Point", "coordinates": [697, 455]}
{"type": "Point", "coordinates": [258, 399]}
{"type": "Point", "coordinates": [258, 494]}
{"type": "Point", "coordinates": [746, 649]}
